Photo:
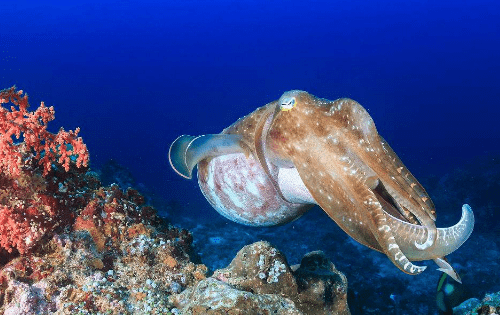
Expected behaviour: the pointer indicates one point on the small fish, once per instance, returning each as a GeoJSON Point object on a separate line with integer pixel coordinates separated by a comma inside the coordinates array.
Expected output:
{"type": "Point", "coordinates": [450, 293]}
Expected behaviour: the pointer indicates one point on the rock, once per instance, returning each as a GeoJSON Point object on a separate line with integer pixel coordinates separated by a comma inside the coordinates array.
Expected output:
{"type": "Point", "coordinates": [490, 305]}
{"type": "Point", "coordinates": [23, 299]}
{"type": "Point", "coordinates": [259, 278]}
{"type": "Point", "coordinates": [322, 287]}
{"type": "Point", "coordinates": [212, 296]}
{"type": "Point", "coordinates": [466, 306]}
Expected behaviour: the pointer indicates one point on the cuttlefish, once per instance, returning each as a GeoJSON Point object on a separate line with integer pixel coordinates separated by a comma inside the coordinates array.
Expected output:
{"type": "Point", "coordinates": [271, 166]}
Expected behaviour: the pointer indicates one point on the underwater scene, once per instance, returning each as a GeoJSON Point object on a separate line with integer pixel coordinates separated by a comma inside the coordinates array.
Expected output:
{"type": "Point", "coordinates": [249, 157]}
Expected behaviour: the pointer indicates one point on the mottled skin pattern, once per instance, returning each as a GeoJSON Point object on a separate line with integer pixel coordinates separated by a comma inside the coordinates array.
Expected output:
{"type": "Point", "coordinates": [339, 156]}
{"type": "Point", "coordinates": [272, 165]}
{"type": "Point", "coordinates": [237, 186]}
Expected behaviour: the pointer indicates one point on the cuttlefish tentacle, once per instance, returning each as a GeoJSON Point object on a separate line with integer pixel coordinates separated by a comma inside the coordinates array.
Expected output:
{"type": "Point", "coordinates": [402, 190]}
{"type": "Point", "coordinates": [386, 239]}
{"type": "Point", "coordinates": [421, 216]}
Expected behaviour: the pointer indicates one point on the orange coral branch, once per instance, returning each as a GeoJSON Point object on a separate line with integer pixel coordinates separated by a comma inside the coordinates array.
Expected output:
{"type": "Point", "coordinates": [47, 147]}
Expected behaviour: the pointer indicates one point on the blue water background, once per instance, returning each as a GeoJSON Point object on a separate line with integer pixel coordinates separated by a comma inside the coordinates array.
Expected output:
{"type": "Point", "coordinates": [136, 74]}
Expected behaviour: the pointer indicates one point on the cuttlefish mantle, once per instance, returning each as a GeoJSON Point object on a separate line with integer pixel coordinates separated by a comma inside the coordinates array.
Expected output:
{"type": "Point", "coordinates": [274, 164]}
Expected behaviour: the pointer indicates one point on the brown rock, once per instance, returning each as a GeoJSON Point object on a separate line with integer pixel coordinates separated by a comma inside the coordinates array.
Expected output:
{"type": "Point", "coordinates": [259, 277]}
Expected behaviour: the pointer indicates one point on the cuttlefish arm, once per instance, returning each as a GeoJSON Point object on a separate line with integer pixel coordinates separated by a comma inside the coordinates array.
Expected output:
{"type": "Point", "coordinates": [405, 234]}
{"type": "Point", "coordinates": [186, 151]}
{"type": "Point", "coordinates": [339, 157]}
{"type": "Point", "coordinates": [447, 240]}
{"type": "Point", "coordinates": [358, 128]}
{"type": "Point", "coordinates": [411, 198]}
{"type": "Point", "coordinates": [351, 204]}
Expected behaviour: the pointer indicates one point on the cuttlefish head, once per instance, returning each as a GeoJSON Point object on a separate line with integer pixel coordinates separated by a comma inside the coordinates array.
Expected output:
{"type": "Point", "coordinates": [358, 180]}
{"type": "Point", "coordinates": [272, 165]}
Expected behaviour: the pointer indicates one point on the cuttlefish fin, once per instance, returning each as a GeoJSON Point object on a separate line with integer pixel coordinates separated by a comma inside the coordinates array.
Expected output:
{"type": "Point", "coordinates": [186, 151]}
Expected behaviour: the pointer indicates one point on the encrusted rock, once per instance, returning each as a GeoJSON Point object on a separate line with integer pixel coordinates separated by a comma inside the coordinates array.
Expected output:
{"type": "Point", "coordinates": [259, 272]}
{"type": "Point", "coordinates": [490, 305]}
{"type": "Point", "coordinates": [87, 270]}
{"type": "Point", "coordinates": [321, 286]}
{"type": "Point", "coordinates": [120, 258]}
{"type": "Point", "coordinates": [212, 296]}
{"type": "Point", "coordinates": [23, 299]}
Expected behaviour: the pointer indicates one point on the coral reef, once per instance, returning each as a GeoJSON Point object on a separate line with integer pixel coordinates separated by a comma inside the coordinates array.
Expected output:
{"type": "Point", "coordinates": [33, 200]}
{"type": "Point", "coordinates": [111, 261]}
{"type": "Point", "coordinates": [215, 297]}
{"type": "Point", "coordinates": [119, 257]}
{"type": "Point", "coordinates": [490, 305]}
{"type": "Point", "coordinates": [69, 245]}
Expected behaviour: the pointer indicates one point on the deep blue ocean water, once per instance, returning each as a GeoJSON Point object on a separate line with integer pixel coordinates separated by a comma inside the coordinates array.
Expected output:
{"type": "Point", "coordinates": [136, 74]}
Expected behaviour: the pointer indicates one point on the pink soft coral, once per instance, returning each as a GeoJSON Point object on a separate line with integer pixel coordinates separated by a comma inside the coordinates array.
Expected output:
{"type": "Point", "coordinates": [47, 147]}
{"type": "Point", "coordinates": [27, 152]}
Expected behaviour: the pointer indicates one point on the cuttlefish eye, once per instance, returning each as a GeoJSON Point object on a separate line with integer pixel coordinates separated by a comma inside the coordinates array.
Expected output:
{"type": "Point", "coordinates": [288, 103]}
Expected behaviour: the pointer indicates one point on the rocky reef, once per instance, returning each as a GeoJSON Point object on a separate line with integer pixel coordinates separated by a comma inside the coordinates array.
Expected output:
{"type": "Point", "coordinates": [489, 305]}
{"type": "Point", "coordinates": [71, 245]}
{"type": "Point", "coordinates": [118, 257]}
